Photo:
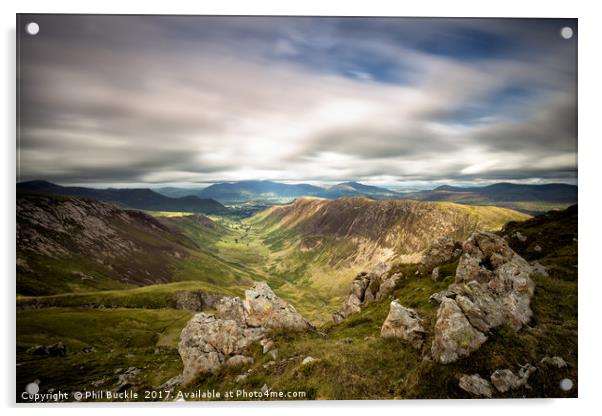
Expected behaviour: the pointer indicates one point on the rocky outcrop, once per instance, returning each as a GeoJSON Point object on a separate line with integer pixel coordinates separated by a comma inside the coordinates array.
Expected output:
{"type": "Point", "coordinates": [405, 324]}
{"type": "Point", "coordinates": [196, 300]}
{"type": "Point", "coordinates": [555, 361]}
{"type": "Point", "coordinates": [443, 250]}
{"type": "Point", "coordinates": [210, 341]}
{"type": "Point", "coordinates": [455, 337]}
{"type": "Point", "coordinates": [505, 380]}
{"type": "Point", "coordinates": [493, 286]}
{"type": "Point", "coordinates": [476, 385]}
{"type": "Point", "coordinates": [262, 308]}
{"type": "Point", "coordinates": [367, 288]}
{"type": "Point", "coordinates": [435, 274]}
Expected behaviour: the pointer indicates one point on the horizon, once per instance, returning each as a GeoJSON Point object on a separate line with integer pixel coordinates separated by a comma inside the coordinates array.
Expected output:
{"type": "Point", "coordinates": [393, 187]}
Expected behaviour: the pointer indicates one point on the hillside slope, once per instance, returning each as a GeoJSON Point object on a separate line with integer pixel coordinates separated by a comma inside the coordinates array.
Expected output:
{"type": "Point", "coordinates": [67, 244]}
{"type": "Point", "coordinates": [322, 241]}
{"type": "Point", "coordinates": [352, 360]}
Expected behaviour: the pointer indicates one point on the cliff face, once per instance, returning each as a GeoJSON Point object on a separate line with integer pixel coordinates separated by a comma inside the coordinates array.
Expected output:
{"type": "Point", "coordinates": [67, 243]}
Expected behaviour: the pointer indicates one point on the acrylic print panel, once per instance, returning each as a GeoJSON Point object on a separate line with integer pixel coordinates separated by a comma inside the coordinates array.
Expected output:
{"type": "Point", "coordinates": [295, 208]}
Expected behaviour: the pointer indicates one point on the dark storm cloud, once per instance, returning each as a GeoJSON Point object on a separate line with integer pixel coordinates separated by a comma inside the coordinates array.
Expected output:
{"type": "Point", "coordinates": [201, 99]}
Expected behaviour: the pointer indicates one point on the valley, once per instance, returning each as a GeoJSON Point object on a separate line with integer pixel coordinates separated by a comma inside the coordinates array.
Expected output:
{"type": "Point", "coordinates": [308, 252]}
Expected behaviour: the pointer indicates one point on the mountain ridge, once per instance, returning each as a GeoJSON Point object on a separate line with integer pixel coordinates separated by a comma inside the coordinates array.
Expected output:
{"type": "Point", "coordinates": [527, 198]}
{"type": "Point", "coordinates": [138, 198]}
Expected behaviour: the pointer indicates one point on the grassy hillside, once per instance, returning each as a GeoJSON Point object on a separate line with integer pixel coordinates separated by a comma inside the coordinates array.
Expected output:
{"type": "Point", "coordinates": [101, 345]}
{"type": "Point", "coordinates": [323, 243]}
{"type": "Point", "coordinates": [354, 362]}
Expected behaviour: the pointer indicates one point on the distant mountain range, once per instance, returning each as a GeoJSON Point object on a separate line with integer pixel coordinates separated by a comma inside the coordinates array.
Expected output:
{"type": "Point", "coordinates": [139, 198]}
{"type": "Point", "coordinates": [527, 198]}
{"type": "Point", "coordinates": [229, 192]}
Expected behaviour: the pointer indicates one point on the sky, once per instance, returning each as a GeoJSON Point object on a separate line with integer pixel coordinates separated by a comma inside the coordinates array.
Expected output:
{"type": "Point", "coordinates": [194, 100]}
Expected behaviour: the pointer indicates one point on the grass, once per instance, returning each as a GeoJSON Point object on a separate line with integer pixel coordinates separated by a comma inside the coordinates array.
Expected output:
{"type": "Point", "coordinates": [146, 297]}
{"type": "Point", "coordinates": [121, 338]}
{"type": "Point", "coordinates": [168, 214]}
{"type": "Point", "coordinates": [142, 329]}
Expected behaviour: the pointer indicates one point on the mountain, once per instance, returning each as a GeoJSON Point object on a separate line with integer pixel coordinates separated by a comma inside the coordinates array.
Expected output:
{"type": "Point", "coordinates": [65, 244]}
{"type": "Point", "coordinates": [358, 189]}
{"type": "Point", "coordinates": [268, 190]}
{"type": "Point", "coordinates": [527, 198]}
{"type": "Point", "coordinates": [131, 198]}
{"type": "Point", "coordinates": [174, 192]}
{"type": "Point", "coordinates": [249, 190]}
{"type": "Point", "coordinates": [325, 240]}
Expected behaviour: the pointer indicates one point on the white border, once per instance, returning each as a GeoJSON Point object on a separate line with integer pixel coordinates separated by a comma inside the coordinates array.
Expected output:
{"type": "Point", "coordinates": [590, 70]}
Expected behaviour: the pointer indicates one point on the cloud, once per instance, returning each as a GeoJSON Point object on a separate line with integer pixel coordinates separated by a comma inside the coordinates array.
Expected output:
{"type": "Point", "coordinates": [207, 99]}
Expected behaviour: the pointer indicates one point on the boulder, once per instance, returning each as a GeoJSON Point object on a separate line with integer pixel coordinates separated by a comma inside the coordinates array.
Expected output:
{"type": "Point", "coordinates": [207, 341]}
{"type": "Point", "coordinates": [264, 309]}
{"type": "Point", "coordinates": [387, 285]}
{"type": "Point", "coordinates": [308, 360]}
{"type": "Point", "coordinates": [505, 380]}
{"type": "Point", "coordinates": [455, 337]}
{"type": "Point", "coordinates": [519, 237]}
{"type": "Point", "coordinates": [540, 269]}
{"type": "Point", "coordinates": [267, 345]}
{"type": "Point", "coordinates": [239, 360]}
{"type": "Point", "coordinates": [435, 274]}
{"type": "Point", "coordinates": [405, 324]}
{"type": "Point", "coordinates": [443, 250]}
{"type": "Point", "coordinates": [127, 379]}
{"type": "Point", "coordinates": [232, 309]}
{"type": "Point", "coordinates": [493, 286]}
{"type": "Point", "coordinates": [475, 385]}
{"type": "Point", "coordinates": [210, 341]}
{"type": "Point", "coordinates": [367, 288]}
{"type": "Point", "coordinates": [554, 361]}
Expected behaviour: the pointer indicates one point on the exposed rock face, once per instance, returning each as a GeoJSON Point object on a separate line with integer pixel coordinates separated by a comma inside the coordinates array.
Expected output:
{"type": "Point", "coordinates": [264, 309]}
{"type": "Point", "coordinates": [196, 300]}
{"type": "Point", "coordinates": [367, 288]}
{"type": "Point", "coordinates": [435, 274]}
{"type": "Point", "coordinates": [405, 324]}
{"type": "Point", "coordinates": [455, 337]}
{"type": "Point", "coordinates": [540, 269]}
{"type": "Point", "coordinates": [209, 342]}
{"type": "Point", "coordinates": [475, 385]}
{"type": "Point", "coordinates": [493, 286]}
{"type": "Point", "coordinates": [441, 251]}
{"type": "Point", "coordinates": [505, 380]}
